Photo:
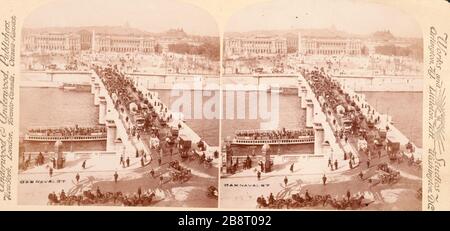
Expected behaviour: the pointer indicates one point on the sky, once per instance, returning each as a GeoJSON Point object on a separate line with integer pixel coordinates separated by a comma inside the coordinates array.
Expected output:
{"type": "Point", "coordinates": [348, 15]}
{"type": "Point", "coordinates": [148, 15]}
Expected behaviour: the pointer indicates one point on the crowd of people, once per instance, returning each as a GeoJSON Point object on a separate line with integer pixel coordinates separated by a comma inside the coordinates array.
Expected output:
{"type": "Point", "coordinates": [332, 97]}
{"type": "Point", "coordinates": [274, 134]}
{"type": "Point", "coordinates": [347, 201]}
{"type": "Point", "coordinates": [179, 173]}
{"type": "Point", "coordinates": [98, 197]}
{"type": "Point", "coordinates": [68, 131]}
{"type": "Point", "coordinates": [127, 98]}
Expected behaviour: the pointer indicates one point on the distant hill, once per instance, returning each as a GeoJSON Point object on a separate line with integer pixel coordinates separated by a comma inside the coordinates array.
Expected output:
{"type": "Point", "coordinates": [113, 30]}
{"type": "Point", "coordinates": [383, 35]}
{"type": "Point", "coordinates": [117, 30]}
{"type": "Point", "coordinates": [327, 32]}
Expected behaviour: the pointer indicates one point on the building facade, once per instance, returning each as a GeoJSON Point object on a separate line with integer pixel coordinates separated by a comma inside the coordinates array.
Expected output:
{"type": "Point", "coordinates": [255, 47]}
{"type": "Point", "coordinates": [52, 42]}
{"type": "Point", "coordinates": [86, 41]}
{"type": "Point", "coordinates": [309, 45]}
{"type": "Point", "coordinates": [123, 44]}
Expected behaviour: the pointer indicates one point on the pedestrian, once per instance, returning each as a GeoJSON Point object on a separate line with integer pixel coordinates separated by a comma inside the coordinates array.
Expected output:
{"type": "Point", "coordinates": [128, 161]}
{"type": "Point", "coordinates": [83, 165]}
{"type": "Point", "coordinates": [139, 192]}
{"type": "Point", "coordinates": [161, 179]}
{"type": "Point", "coordinates": [121, 159]}
{"type": "Point", "coordinates": [348, 195]}
{"type": "Point", "coordinates": [307, 196]}
{"type": "Point", "coordinates": [330, 164]}
{"type": "Point", "coordinates": [336, 164]}
{"type": "Point", "coordinates": [116, 176]}
{"type": "Point", "coordinates": [77, 177]}
{"type": "Point", "coordinates": [152, 173]}
{"type": "Point", "coordinates": [285, 181]}
{"type": "Point", "coordinates": [137, 153]}
{"type": "Point", "coordinates": [368, 163]}
{"type": "Point", "coordinates": [50, 172]}
{"type": "Point", "coordinates": [292, 168]}
{"type": "Point", "coordinates": [324, 179]}
{"type": "Point", "coordinates": [258, 175]}
{"type": "Point", "coordinates": [345, 155]}
{"type": "Point", "coordinates": [54, 162]}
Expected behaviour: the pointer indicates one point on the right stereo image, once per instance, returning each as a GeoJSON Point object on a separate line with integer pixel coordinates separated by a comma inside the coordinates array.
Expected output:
{"type": "Point", "coordinates": [321, 107]}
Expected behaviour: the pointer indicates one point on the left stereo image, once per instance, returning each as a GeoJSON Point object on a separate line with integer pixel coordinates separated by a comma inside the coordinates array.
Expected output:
{"type": "Point", "coordinates": [119, 108]}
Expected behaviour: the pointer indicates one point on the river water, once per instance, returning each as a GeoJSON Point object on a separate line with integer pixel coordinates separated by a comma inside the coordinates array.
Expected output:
{"type": "Point", "coordinates": [43, 107]}
{"type": "Point", "coordinates": [56, 107]}
{"type": "Point", "coordinates": [406, 109]}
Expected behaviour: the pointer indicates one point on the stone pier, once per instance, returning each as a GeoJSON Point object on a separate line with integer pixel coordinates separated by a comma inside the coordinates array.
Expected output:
{"type": "Point", "coordinates": [102, 110]}
{"type": "Point", "coordinates": [96, 93]}
{"type": "Point", "coordinates": [111, 134]}
{"type": "Point", "coordinates": [309, 113]}
{"type": "Point", "coordinates": [92, 84]}
{"type": "Point", "coordinates": [318, 138]}
{"type": "Point", "coordinates": [304, 93]}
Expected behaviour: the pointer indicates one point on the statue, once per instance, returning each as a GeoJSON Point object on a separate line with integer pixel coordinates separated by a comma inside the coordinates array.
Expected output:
{"type": "Point", "coordinates": [265, 151]}
{"type": "Point", "coordinates": [229, 155]}
{"type": "Point", "coordinates": [59, 154]}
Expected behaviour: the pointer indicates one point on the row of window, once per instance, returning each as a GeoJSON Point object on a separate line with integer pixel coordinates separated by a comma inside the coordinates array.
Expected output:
{"type": "Point", "coordinates": [55, 138]}
{"type": "Point", "coordinates": [285, 141]}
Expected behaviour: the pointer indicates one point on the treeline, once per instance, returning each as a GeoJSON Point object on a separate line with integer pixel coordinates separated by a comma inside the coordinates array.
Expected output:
{"type": "Point", "coordinates": [415, 51]}
{"type": "Point", "coordinates": [208, 49]}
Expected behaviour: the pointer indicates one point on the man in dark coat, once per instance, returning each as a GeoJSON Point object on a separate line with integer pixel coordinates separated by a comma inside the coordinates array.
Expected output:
{"type": "Point", "coordinates": [77, 177]}
{"type": "Point", "coordinates": [116, 176]}
{"type": "Point", "coordinates": [324, 179]}
{"type": "Point", "coordinates": [139, 192]}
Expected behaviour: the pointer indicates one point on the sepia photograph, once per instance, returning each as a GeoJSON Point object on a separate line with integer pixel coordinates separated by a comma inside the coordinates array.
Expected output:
{"type": "Point", "coordinates": [322, 107]}
{"type": "Point", "coordinates": [108, 98]}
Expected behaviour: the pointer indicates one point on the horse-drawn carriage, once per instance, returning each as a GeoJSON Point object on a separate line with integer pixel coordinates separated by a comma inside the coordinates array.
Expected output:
{"type": "Point", "coordinates": [297, 201]}
{"type": "Point", "coordinates": [179, 173]}
{"type": "Point", "coordinates": [213, 192]}
{"type": "Point", "coordinates": [184, 148]}
{"type": "Point", "coordinates": [388, 175]}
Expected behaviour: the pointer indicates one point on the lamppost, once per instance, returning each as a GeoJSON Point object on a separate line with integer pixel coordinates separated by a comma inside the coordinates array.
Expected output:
{"type": "Point", "coordinates": [265, 151]}
{"type": "Point", "coordinates": [59, 154]}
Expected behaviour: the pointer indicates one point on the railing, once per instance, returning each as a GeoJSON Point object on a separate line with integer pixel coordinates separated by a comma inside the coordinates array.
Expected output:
{"type": "Point", "coordinates": [96, 137]}
{"type": "Point", "coordinates": [303, 140]}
